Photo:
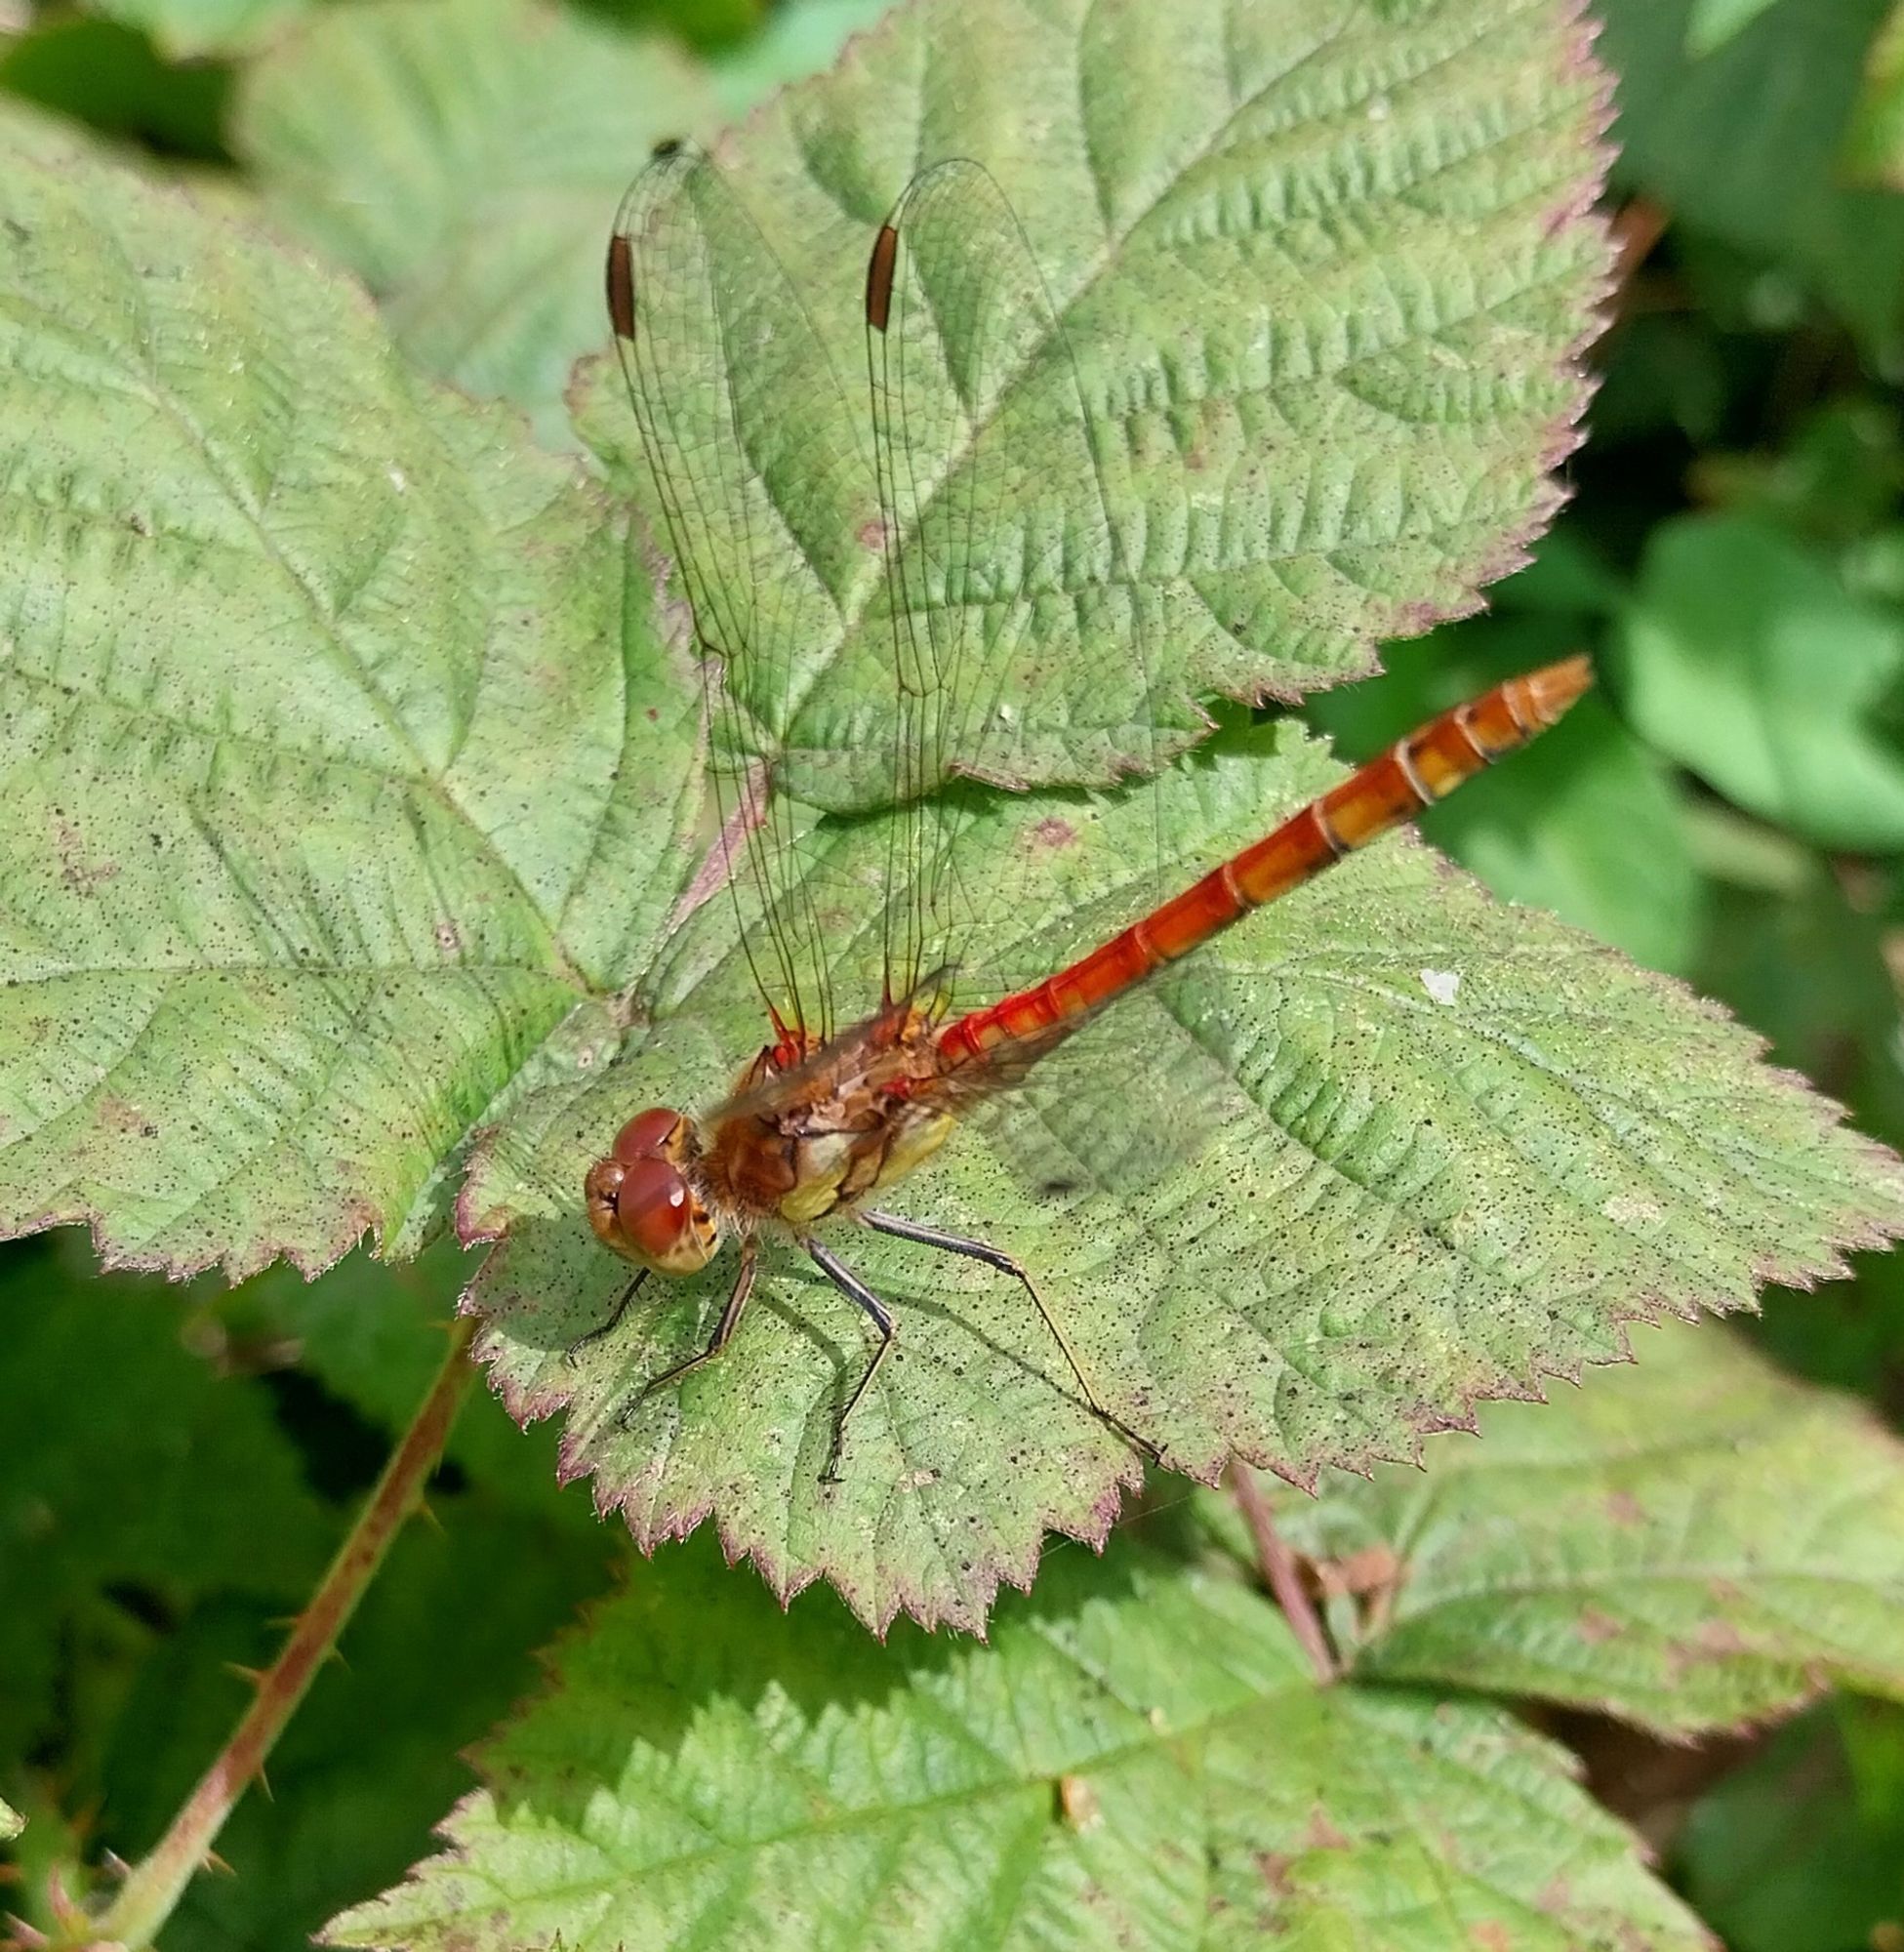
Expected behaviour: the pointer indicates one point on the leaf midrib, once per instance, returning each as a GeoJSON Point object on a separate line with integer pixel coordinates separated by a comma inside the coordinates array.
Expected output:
{"type": "Point", "coordinates": [852, 618]}
{"type": "Point", "coordinates": [156, 394]}
{"type": "Point", "coordinates": [560, 967]}
{"type": "Point", "coordinates": [852, 1819]}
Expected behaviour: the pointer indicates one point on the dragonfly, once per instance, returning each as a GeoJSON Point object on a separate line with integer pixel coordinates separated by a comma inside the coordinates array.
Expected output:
{"type": "Point", "coordinates": [966, 356]}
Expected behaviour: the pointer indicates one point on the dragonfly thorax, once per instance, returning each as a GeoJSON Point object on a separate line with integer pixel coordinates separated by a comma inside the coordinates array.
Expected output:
{"type": "Point", "coordinates": [641, 1198]}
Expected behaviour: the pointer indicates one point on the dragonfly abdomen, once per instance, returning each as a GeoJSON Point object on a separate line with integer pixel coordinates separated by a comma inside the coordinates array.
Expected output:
{"type": "Point", "coordinates": [1415, 772]}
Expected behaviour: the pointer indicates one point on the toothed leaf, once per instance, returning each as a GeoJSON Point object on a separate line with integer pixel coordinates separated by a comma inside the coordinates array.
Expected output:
{"type": "Point", "coordinates": [1445, 1146]}
{"type": "Point", "coordinates": [1691, 1544]}
{"type": "Point", "coordinates": [422, 781]}
{"type": "Point", "coordinates": [1323, 274]}
{"type": "Point", "coordinates": [315, 708]}
{"type": "Point", "coordinates": [464, 157]}
{"type": "Point", "coordinates": [1139, 1759]}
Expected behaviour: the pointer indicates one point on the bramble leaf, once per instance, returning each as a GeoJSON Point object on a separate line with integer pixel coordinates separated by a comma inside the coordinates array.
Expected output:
{"type": "Point", "coordinates": [186, 30]}
{"type": "Point", "coordinates": [318, 688]}
{"type": "Point", "coordinates": [1140, 1759]}
{"type": "Point", "coordinates": [1690, 1544]}
{"type": "Point", "coordinates": [353, 808]}
{"type": "Point", "coordinates": [464, 157]}
{"type": "Point", "coordinates": [1324, 273]}
{"type": "Point", "coordinates": [1456, 1146]}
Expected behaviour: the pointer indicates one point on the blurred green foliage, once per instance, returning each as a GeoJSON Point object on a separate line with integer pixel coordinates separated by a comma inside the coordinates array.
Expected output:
{"type": "Point", "coordinates": [1731, 810]}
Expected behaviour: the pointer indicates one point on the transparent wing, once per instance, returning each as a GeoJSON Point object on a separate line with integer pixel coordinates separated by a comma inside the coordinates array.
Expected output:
{"type": "Point", "coordinates": [1002, 560]}
{"type": "Point", "coordinates": [1116, 1104]}
{"type": "Point", "coordinates": [758, 473]}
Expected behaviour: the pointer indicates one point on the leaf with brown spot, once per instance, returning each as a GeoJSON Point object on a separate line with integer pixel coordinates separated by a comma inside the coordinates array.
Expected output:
{"type": "Point", "coordinates": [1691, 1543]}
{"type": "Point", "coordinates": [702, 1772]}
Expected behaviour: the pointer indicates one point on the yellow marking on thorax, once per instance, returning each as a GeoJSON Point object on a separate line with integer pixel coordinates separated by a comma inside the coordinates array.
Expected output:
{"type": "Point", "coordinates": [822, 1165]}
{"type": "Point", "coordinates": [830, 1165]}
{"type": "Point", "coordinates": [919, 1139]}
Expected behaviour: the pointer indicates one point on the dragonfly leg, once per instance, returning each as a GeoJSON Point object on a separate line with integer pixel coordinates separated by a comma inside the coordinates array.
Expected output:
{"type": "Point", "coordinates": [997, 1257]}
{"type": "Point", "coordinates": [730, 1320]}
{"type": "Point", "coordinates": [855, 1290]}
{"type": "Point", "coordinates": [609, 1327]}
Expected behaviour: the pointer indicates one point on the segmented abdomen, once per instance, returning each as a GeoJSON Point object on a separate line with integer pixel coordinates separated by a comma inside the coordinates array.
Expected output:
{"type": "Point", "coordinates": [1416, 772]}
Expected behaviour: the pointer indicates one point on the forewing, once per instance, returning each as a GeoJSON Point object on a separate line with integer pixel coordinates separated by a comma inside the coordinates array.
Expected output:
{"type": "Point", "coordinates": [993, 578]}
{"type": "Point", "coordinates": [758, 475]}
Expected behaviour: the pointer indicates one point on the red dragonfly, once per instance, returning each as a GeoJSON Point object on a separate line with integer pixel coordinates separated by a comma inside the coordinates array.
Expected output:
{"type": "Point", "coordinates": [967, 365]}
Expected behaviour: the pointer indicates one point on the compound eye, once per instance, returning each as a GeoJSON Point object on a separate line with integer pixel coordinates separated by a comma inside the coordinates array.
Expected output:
{"type": "Point", "coordinates": [656, 1209]}
{"type": "Point", "coordinates": [646, 1136]}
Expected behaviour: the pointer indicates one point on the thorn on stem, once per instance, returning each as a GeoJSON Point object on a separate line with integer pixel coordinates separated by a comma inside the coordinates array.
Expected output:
{"type": "Point", "coordinates": [68, 1915]}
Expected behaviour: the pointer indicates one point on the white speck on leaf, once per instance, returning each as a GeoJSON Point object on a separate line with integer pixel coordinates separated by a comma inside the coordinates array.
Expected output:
{"type": "Point", "coordinates": [1626, 1211]}
{"type": "Point", "coordinates": [399, 480]}
{"type": "Point", "coordinates": [1442, 984]}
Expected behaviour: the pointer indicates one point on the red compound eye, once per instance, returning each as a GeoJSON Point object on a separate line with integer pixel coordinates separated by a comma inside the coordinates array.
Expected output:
{"type": "Point", "coordinates": [655, 1208]}
{"type": "Point", "coordinates": [646, 1135]}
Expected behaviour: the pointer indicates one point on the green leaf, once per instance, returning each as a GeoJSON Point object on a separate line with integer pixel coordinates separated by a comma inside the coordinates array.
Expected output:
{"type": "Point", "coordinates": [1714, 22]}
{"type": "Point", "coordinates": [1803, 1848]}
{"type": "Point", "coordinates": [1744, 143]}
{"type": "Point", "coordinates": [319, 689]}
{"type": "Point", "coordinates": [1744, 656]}
{"type": "Point", "coordinates": [1456, 1145]}
{"type": "Point", "coordinates": [464, 157]}
{"type": "Point", "coordinates": [798, 39]}
{"type": "Point", "coordinates": [1324, 275]}
{"type": "Point", "coordinates": [1696, 1542]}
{"type": "Point", "coordinates": [109, 77]}
{"type": "Point", "coordinates": [1874, 144]}
{"type": "Point", "coordinates": [1139, 1759]}
{"type": "Point", "coordinates": [189, 29]}
{"type": "Point", "coordinates": [382, 685]}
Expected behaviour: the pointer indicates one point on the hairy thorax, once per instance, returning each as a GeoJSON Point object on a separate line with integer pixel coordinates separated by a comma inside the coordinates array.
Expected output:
{"type": "Point", "coordinates": [848, 1125]}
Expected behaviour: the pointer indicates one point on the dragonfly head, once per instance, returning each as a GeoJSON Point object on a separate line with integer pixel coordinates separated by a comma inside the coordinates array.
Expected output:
{"type": "Point", "coordinates": [643, 1206]}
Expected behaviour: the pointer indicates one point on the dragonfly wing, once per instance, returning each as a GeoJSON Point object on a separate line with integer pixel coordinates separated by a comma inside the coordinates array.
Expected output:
{"type": "Point", "coordinates": [1003, 565]}
{"type": "Point", "coordinates": [764, 494]}
{"type": "Point", "coordinates": [1113, 1105]}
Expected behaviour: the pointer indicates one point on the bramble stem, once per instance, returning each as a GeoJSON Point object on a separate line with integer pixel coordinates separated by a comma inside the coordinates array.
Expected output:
{"type": "Point", "coordinates": [157, 1882]}
{"type": "Point", "coordinates": [1280, 1574]}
